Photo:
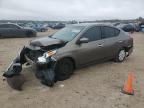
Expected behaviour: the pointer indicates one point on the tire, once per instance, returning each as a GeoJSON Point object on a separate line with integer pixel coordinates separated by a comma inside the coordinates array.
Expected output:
{"type": "Point", "coordinates": [121, 55]}
{"type": "Point", "coordinates": [29, 34]}
{"type": "Point", "coordinates": [64, 69]}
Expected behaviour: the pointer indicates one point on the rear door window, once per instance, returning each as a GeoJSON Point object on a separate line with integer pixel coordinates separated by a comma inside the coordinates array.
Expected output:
{"type": "Point", "coordinates": [4, 26]}
{"type": "Point", "coordinates": [93, 34]}
{"type": "Point", "coordinates": [109, 32]}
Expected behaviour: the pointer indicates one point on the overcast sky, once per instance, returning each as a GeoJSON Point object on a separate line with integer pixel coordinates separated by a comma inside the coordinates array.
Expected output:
{"type": "Point", "coordinates": [71, 9]}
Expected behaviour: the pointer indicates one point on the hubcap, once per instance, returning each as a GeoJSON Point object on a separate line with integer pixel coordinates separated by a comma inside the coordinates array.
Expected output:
{"type": "Point", "coordinates": [122, 55]}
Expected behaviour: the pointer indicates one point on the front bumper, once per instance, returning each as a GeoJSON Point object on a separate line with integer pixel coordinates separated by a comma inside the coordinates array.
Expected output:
{"type": "Point", "coordinates": [43, 71]}
{"type": "Point", "coordinates": [130, 50]}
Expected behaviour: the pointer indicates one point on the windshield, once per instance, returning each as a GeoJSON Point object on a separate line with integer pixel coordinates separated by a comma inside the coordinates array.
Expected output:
{"type": "Point", "coordinates": [68, 33]}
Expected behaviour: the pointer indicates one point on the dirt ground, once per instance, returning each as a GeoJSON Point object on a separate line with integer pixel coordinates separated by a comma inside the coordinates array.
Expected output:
{"type": "Point", "coordinates": [96, 86]}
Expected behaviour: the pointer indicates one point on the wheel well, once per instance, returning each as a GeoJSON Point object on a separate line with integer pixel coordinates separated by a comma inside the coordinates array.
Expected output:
{"type": "Point", "coordinates": [71, 59]}
{"type": "Point", "coordinates": [126, 49]}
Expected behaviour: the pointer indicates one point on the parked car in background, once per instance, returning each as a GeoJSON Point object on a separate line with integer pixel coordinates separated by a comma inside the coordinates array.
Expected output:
{"type": "Point", "coordinates": [141, 27]}
{"type": "Point", "coordinates": [116, 24]}
{"type": "Point", "coordinates": [50, 25]}
{"type": "Point", "coordinates": [28, 25]}
{"type": "Point", "coordinates": [136, 27]}
{"type": "Point", "coordinates": [15, 31]}
{"type": "Point", "coordinates": [55, 57]}
{"type": "Point", "coordinates": [127, 27]}
{"type": "Point", "coordinates": [58, 26]}
{"type": "Point", "coordinates": [40, 27]}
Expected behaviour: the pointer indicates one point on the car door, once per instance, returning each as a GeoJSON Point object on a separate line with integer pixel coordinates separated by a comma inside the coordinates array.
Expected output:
{"type": "Point", "coordinates": [110, 38]}
{"type": "Point", "coordinates": [91, 51]}
{"type": "Point", "coordinates": [4, 30]}
{"type": "Point", "coordinates": [15, 30]}
{"type": "Point", "coordinates": [1, 30]}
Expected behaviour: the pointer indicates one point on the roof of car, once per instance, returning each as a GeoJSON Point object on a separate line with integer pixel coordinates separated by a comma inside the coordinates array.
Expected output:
{"type": "Point", "coordinates": [8, 24]}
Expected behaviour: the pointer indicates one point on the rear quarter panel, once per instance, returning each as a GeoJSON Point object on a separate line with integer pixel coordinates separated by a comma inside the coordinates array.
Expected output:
{"type": "Point", "coordinates": [127, 41]}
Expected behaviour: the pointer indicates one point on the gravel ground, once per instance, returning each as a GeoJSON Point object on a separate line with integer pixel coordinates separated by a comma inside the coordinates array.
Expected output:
{"type": "Point", "coordinates": [96, 86]}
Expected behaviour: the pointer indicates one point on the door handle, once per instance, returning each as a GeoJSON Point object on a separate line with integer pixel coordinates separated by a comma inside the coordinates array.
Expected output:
{"type": "Point", "coordinates": [100, 45]}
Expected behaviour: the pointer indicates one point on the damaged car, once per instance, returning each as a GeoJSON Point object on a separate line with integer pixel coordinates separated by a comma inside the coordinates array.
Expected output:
{"type": "Point", "coordinates": [54, 58]}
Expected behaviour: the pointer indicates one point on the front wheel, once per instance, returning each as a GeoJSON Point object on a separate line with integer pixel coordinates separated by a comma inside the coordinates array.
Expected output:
{"type": "Point", "coordinates": [121, 55]}
{"type": "Point", "coordinates": [64, 69]}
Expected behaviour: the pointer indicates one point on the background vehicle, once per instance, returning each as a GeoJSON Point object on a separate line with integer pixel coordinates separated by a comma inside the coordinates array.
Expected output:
{"type": "Point", "coordinates": [58, 26]}
{"type": "Point", "coordinates": [116, 24]}
{"type": "Point", "coordinates": [127, 27]}
{"type": "Point", "coordinates": [74, 46]}
{"type": "Point", "coordinates": [141, 27]}
{"type": "Point", "coordinates": [40, 27]}
{"type": "Point", "coordinates": [13, 31]}
{"type": "Point", "coordinates": [137, 27]}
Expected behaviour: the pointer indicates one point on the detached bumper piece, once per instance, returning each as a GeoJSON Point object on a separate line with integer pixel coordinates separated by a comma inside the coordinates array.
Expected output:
{"type": "Point", "coordinates": [43, 71]}
{"type": "Point", "coordinates": [13, 72]}
{"type": "Point", "coordinates": [16, 82]}
{"type": "Point", "coordinates": [14, 69]}
{"type": "Point", "coordinates": [16, 66]}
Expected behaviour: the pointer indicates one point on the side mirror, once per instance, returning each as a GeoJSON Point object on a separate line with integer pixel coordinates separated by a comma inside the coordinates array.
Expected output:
{"type": "Point", "coordinates": [83, 40]}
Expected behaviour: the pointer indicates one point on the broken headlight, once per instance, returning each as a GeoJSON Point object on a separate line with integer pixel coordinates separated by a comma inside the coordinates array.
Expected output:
{"type": "Point", "coordinates": [46, 55]}
{"type": "Point", "coordinates": [49, 53]}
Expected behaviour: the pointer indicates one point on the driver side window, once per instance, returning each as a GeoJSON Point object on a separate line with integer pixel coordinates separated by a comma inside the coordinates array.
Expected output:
{"type": "Point", "coordinates": [93, 34]}
{"type": "Point", "coordinates": [4, 26]}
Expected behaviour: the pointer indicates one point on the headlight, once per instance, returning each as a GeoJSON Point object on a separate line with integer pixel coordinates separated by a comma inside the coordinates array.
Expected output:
{"type": "Point", "coordinates": [43, 59]}
{"type": "Point", "coordinates": [49, 53]}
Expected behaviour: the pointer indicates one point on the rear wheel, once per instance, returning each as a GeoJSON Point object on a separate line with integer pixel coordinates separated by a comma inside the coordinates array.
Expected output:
{"type": "Point", "coordinates": [64, 69]}
{"type": "Point", "coordinates": [120, 57]}
{"type": "Point", "coordinates": [29, 34]}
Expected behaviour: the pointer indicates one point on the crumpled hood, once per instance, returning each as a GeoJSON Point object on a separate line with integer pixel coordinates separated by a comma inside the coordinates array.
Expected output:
{"type": "Point", "coordinates": [45, 41]}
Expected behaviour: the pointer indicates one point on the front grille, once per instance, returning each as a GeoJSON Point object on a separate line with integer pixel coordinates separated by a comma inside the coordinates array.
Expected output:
{"type": "Point", "coordinates": [34, 54]}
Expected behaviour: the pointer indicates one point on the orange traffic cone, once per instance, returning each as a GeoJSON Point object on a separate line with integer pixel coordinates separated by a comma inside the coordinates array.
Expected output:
{"type": "Point", "coordinates": [127, 89]}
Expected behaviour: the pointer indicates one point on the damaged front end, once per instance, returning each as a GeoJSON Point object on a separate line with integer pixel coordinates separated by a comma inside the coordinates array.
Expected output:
{"type": "Point", "coordinates": [41, 60]}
